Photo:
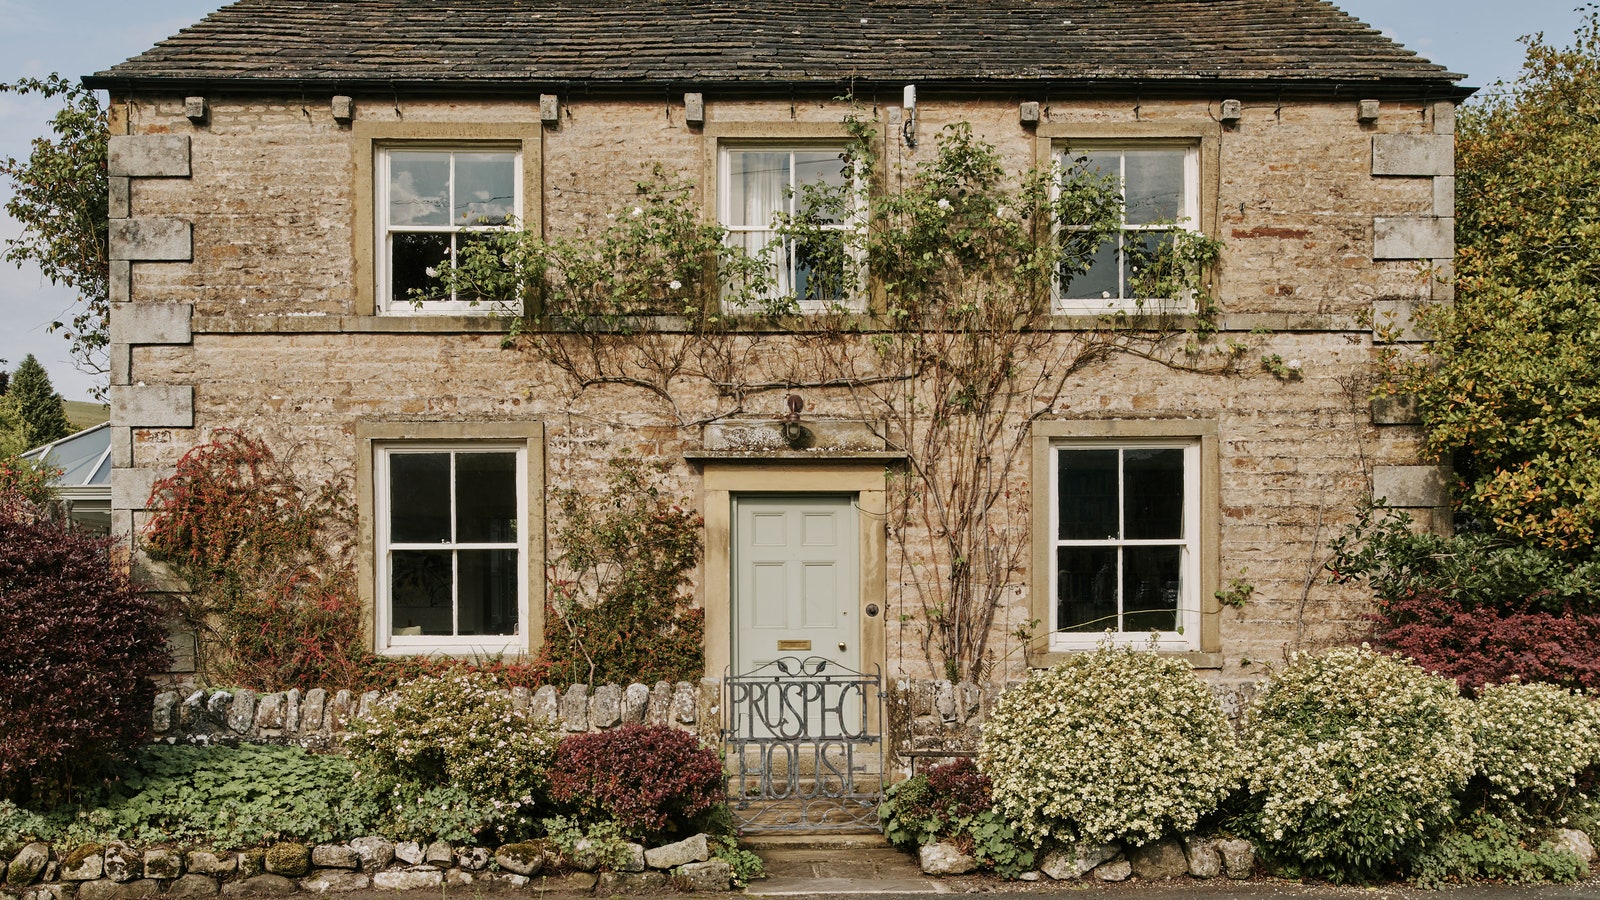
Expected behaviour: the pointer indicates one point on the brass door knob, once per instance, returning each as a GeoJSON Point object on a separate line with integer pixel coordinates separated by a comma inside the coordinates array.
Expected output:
{"type": "Point", "coordinates": [841, 646]}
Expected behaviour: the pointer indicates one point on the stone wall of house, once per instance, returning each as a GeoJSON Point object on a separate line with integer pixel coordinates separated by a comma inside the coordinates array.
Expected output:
{"type": "Point", "coordinates": [236, 265]}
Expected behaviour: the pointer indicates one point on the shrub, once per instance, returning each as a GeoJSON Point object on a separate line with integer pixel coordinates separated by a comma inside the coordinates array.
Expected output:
{"type": "Point", "coordinates": [1355, 757]}
{"type": "Point", "coordinates": [1483, 846]}
{"type": "Point", "coordinates": [458, 731]}
{"type": "Point", "coordinates": [619, 607]}
{"type": "Point", "coordinates": [650, 780]}
{"type": "Point", "coordinates": [1479, 645]}
{"type": "Point", "coordinates": [1113, 745]}
{"type": "Point", "coordinates": [78, 645]}
{"type": "Point", "coordinates": [1537, 747]}
{"type": "Point", "coordinates": [954, 802]}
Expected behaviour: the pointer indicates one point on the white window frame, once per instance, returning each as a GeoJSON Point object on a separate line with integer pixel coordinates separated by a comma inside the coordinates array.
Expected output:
{"type": "Point", "coordinates": [856, 299]}
{"type": "Point", "coordinates": [388, 643]}
{"type": "Point", "coordinates": [1188, 220]}
{"type": "Point", "coordinates": [382, 230]}
{"type": "Point", "coordinates": [1189, 599]}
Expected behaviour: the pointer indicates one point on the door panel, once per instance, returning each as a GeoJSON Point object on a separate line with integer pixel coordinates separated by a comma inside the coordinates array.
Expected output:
{"type": "Point", "coordinates": [795, 579]}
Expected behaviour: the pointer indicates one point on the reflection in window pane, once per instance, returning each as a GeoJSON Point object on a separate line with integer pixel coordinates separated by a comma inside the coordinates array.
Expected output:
{"type": "Point", "coordinates": [413, 255]}
{"type": "Point", "coordinates": [1086, 589]}
{"type": "Point", "coordinates": [1153, 494]}
{"type": "Point", "coordinates": [486, 498]}
{"type": "Point", "coordinates": [420, 587]}
{"type": "Point", "coordinates": [1101, 281]}
{"type": "Point", "coordinates": [1154, 185]}
{"type": "Point", "coordinates": [1087, 500]}
{"type": "Point", "coordinates": [486, 189]}
{"type": "Point", "coordinates": [1151, 586]}
{"type": "Point", "coordinates": [488, 591]}
{"type": "Point", "coordinates": [419, 188]}
{"type": "Point", "coordinates": [419, 498]}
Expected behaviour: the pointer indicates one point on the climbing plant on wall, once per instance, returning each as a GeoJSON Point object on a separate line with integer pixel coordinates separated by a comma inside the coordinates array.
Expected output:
{"type": "Point", "coordinates": [948, 350]}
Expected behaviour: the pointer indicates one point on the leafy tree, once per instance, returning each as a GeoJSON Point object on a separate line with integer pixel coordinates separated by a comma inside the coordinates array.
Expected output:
{"type": "Point", "coordinates": [1512, 391]}
{"type": "Point", "coordinates": [59, 197]}
{"type": "Point", "coordinates": [35, 406]}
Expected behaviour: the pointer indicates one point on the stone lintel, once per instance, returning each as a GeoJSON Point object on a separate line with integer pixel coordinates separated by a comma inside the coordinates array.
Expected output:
{"type": "Point", "coordinates": [152, 240]}
{"type": "Point", "coordinates": [1413, 237]}
{"type": "Point", "coordinates": [152, 406]}
{"type": "Point", "coordinates": [1414, 155]}
{"type": "Point", "coordinates": [152, 323]}
{"type": "Point", "coordinates": [1411, 487]}
{"type": "Point", "coordinates": [148, 156]}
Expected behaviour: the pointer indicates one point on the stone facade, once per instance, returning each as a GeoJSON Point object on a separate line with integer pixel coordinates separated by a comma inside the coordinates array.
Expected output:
{"type": "Point", "coordinates": [243, 298]}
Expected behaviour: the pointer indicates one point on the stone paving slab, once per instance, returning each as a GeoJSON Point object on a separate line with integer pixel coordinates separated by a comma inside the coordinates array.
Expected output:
{"type": "Point", "coordinates": [812, 872]}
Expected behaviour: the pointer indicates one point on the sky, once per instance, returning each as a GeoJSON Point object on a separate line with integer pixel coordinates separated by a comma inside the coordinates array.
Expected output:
{"type": "Point", "coordinates": [76, 37]}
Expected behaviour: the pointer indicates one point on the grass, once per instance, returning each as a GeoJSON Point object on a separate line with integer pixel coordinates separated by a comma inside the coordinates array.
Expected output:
{"type": "Point", "coordinates": [83, 414]}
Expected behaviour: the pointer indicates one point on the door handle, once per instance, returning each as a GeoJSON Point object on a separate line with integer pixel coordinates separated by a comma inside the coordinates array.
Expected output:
{"type": "Point", "coordinates": [841, 646]}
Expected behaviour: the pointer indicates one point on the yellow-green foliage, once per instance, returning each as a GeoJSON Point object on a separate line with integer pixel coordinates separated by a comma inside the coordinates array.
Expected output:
{"type": "Point", "coordinates": [1116, 744]}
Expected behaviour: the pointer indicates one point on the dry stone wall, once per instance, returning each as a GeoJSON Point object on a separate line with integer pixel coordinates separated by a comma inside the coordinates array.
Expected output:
{"type": "Point", "coordinates": [316, 719]}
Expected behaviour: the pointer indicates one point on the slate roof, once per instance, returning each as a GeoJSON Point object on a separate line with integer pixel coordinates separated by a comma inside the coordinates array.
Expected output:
{"type": "Point", "coordinates": [444, 44]}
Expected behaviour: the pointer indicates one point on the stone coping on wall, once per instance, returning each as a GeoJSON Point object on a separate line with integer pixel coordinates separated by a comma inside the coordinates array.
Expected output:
{"type": "Point", "coordinates": [316, 718]}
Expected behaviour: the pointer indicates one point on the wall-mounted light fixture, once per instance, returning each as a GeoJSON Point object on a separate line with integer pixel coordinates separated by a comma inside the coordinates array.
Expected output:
{"type": "Point", "coordinates": [908, 130]}
{"type": "Point", "coordinates": [792, 430]}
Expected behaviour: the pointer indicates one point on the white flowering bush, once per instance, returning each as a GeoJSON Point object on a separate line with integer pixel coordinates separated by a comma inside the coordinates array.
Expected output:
{"type": "Point", "coordinates": [1355, 757]}
{"type": "Point", "coordinates": [457, 731]}
{"type": "Point", "coordinates": [1534, 744]}
{"type": "Point", "coordinates": [1112, 745]}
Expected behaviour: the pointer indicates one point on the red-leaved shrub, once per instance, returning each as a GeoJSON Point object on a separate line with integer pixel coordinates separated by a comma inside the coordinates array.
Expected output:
{"type": "Point", "coordinates": [649, 779]}
{"type": "Point", "coordinates": [1488, 645]}
{"type": "Point", "coordinates": [959, 790]}
{"type": "Point", "coordinates": [78, 645]}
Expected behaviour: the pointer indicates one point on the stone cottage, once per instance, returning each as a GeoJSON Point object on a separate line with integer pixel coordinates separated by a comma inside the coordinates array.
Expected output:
{"type": "Point", "coordinates": [284, 172]}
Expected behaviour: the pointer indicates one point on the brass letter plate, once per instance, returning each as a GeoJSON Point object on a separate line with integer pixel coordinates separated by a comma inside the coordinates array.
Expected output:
{"type": "Point", "coordinates": [794, 645]}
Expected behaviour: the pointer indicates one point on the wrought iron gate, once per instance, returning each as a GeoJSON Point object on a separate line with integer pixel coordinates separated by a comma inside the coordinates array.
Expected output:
{"type": "Point", "coordinates": [802, 751]}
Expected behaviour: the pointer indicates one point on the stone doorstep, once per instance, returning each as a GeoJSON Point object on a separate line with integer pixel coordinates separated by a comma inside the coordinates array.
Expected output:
{"type": "Point", "coordinates": [823, 869]}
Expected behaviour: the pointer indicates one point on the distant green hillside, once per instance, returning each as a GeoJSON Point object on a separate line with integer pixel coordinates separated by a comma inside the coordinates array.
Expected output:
{"type": "Point", "coordinates": [83, 414]}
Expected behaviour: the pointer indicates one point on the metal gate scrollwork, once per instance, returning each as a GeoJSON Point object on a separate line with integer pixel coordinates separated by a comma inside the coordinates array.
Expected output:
{"type": "Point", "coordinates": [802, 752]}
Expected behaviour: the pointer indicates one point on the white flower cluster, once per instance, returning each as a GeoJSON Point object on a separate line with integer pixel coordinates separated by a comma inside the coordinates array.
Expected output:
{"type": "Point", "coordinates": [1533, 742]}
{"type": "Point", "coordinates": [1113, 745]}
{"type": "Point", "coordinates": [1354, 755]}
{"type": "Point", "coordinates": [458, 729]}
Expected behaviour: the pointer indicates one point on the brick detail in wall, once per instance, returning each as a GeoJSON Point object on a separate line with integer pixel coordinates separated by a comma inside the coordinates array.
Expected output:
{"type": "Point", "coordinates": [1414, 155]}
{"type": "Point", "coordinates": [148, 156]}
{"type": "Point", "coordinates": [152, 406]}
{"type": "Point", "coordinates": [152, 323]}
{"type": "Point", "coordinates": [1411, 487]}
{"type": "Point", "coordinates": [151, 240]}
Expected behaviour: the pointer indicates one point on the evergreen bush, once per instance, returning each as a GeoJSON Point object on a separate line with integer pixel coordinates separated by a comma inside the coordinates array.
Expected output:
{"type": "Point", "coordinates": [1113, 745]}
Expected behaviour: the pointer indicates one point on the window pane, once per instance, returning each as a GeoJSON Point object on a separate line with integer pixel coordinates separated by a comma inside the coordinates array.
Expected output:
{"type": "Point", "coordinates": [819, 268]}
{"type": "Point", "coordinates": [1142, 249]}
{"type": "Point", "coordinates": [1153, 494]}
{"type": "Point", "coordinates": [757, 182]}
{"type": "Point", "coordinates": [410, 258]}
{"type": "Point", "coordinates": [1151, 585]}
{"type": "Point", "coordinates": [419, 498]}
{"type": "Point", "coordinates": [1086, 589]}
{"type": "Point", "coordinates": [419, 188]}
{"type": "Point", "coordinates": [488, 592]}
{"type": "Point", "coordinates": [818, 167]}
{"type": "Point", "coordinates": [1093, 163]}
{"type": "Point", "coordinates": [1154, 186]}
{"type": "Point", "coordinates": [420, 587]}
{"type": "Point", "coordinates": [1087, 482]}
{"type": "Point", "coordinates": [1100, 281]}
{"type": "Point", "coordinates": [486, 498]}
{"type": "Point", "coordinates": [486, 188]}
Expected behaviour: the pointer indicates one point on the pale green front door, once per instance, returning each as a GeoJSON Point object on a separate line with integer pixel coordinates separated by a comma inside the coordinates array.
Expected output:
{"type": "Point", "coordinates": [796, 580]}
